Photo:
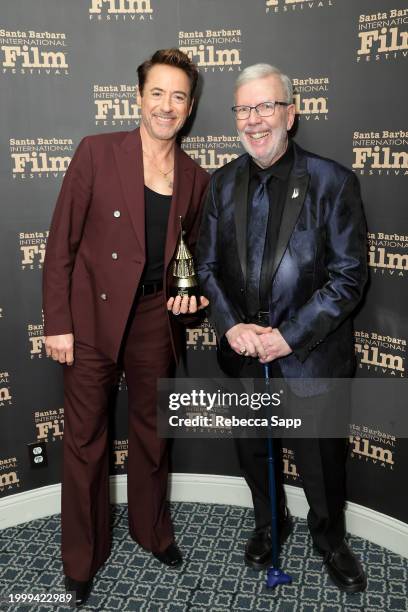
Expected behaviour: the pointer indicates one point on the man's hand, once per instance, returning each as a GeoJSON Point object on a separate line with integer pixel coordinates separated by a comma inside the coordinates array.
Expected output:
{"type": "Point", "coordinates": [60, 348]}
{"type": "Point", "coordinates": [183, 305]}
{"type": "Point", "coordinates": [274, 345]}
{"type": "Point", "coordinates": [245, 339]}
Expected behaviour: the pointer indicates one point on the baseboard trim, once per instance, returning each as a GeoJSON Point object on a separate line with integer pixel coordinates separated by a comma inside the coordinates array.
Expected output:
{"type": "Point", "coordinates": [211, 489]}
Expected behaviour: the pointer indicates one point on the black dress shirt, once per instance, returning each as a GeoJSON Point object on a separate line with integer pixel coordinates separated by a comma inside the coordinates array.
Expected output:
{"type": "Point", "coordinates": [277, 187]}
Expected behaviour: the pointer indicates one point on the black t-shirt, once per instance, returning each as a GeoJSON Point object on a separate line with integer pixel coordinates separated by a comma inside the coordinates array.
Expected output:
{"type": "Point", "coordinates": [157, 209]}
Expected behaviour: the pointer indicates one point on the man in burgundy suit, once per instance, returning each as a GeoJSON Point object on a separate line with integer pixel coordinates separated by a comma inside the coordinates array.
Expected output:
{"type": "Point", "coordinates": [113, 236]}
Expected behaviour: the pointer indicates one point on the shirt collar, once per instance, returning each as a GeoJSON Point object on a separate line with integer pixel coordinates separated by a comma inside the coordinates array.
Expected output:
{"type": "Point", "coordinates": [280, 169]}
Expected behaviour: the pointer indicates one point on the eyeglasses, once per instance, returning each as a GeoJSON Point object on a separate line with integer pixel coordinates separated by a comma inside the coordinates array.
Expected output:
{"type": "Point", "coordinates": [264, 109]}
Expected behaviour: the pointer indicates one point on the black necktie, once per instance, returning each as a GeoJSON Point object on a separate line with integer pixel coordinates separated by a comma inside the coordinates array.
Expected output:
{"type": "Point", "coordinates": [256, 234]}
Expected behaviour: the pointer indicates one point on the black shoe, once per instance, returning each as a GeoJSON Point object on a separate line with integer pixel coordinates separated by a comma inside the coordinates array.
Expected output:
{"type": "Point", "coordinates": [345, 570]}
{"type": "Point", "coordinates": [82, 589]}
{"type": "Point", "coordinates": [171, 556]}
{"type": "Point", "coordinates": [258, 549]}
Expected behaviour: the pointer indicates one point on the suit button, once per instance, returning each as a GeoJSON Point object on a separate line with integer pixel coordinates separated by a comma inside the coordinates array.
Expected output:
{"type": "Point", "coordinates": [242, 290]}
{"type": "Point", "coordinates": [116, 214]}
{"type": "Point", "coordinates": [114, 255]}
{"type": "Point", "coordinates": [103, 296]}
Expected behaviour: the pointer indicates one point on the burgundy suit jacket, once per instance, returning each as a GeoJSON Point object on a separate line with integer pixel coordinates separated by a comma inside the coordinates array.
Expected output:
{"type": "Point", "coordinates": [96, 247]}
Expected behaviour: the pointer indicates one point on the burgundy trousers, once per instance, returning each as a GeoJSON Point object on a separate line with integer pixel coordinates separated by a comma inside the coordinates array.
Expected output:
{"type": "Point", "coordinates": [146, 356]}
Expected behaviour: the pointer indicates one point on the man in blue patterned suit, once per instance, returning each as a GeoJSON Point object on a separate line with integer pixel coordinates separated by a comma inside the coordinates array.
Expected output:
{"type": "Point", "coordinates": [282, 259]}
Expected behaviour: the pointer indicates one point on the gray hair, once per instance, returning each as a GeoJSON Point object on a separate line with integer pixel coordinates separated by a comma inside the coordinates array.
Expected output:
{"type": "Point", "coordinates": [260, 71]}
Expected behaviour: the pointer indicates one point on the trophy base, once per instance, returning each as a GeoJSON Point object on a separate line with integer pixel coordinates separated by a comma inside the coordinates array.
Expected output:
{"type": "Point", "coordinates": [182, 291]}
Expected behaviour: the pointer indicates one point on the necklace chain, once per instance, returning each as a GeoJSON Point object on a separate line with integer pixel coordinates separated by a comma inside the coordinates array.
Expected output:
{"type": "Point", "coordinates": [157, 167]}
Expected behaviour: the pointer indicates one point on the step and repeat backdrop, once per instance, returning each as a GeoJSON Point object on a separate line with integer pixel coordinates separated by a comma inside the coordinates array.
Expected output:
{"type": "Point", "coordinates": [68, 69]}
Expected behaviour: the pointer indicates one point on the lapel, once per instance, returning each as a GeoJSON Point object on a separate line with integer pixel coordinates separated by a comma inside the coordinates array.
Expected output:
{"type": "Point", "coordinates": [129, 160]}
{"type": "Point", "coordinates": [183, 187]}
{"type": "Point", "coordinates": [240, 200]}
{"type": "Point", "coordinates": [295, 197]}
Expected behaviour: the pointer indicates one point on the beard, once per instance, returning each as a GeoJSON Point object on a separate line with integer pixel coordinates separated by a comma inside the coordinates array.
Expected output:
{"type": "Point", "coordinates": [275, 150]}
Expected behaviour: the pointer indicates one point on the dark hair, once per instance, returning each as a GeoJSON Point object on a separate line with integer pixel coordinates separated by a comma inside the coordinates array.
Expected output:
{"type": "Point", "coordinates": [169, 57]}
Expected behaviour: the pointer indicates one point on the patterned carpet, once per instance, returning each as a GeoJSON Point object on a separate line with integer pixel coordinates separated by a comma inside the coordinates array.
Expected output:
{"type": "Point", "coordinates": [213, 577]}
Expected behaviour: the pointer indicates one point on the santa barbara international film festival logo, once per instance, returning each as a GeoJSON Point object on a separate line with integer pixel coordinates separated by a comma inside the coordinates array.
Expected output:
{"type": "Point", "coordinates": [6, 398]}
{"type": "Point", "coordinates": [310, 97]}
{"type": "Point", "coordinates": [49, 424]}
{"type": "Point", "coordinates": [9, 477]}
{"type": "Point", "coordinates": [383, 36]}
{"type": "Point", "coordinates": [212, 151]}
{"type": "Point", "coordinates": [36, 338]}
{"type": "Point", "coordinates": [289, 466]}
{"type": "Point", "coordinates": [380, 354]}
{"type": "Point", "coordinates": [32, 249]}
{"type": "Point", "coordinates": [201, 338]}
{"type": "Point", "coordinates": [388, 254]}
{"type": "Point", "coordinates": [213, 50]}
{"type": "Point", "coordinates": [371, 446]}
{"type": "Point", "coordinates": [284, 6]}
{"type": "Point", "coordinates": [380, 152]}
{"type": "Point", "coordinates": [120, 453]}
{"type": "Point", "coordinates": [30, 52]}
{"type": "Point", "coordinates": [115, 105]}
{"type": "Point", "coordinates": [121, 10]}
{"type": "Point", "coordinates": [40, 158]}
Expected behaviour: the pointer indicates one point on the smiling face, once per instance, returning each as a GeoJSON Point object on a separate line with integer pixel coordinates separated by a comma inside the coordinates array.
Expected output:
{"type": "Point", "coordinates": [165, 102]}
{"type": "Point", "coordinates": [264, 138]}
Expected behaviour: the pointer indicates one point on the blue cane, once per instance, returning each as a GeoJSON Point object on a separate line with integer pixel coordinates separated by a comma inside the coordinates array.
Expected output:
{"type": "Point", "coordinates": [275, 575]}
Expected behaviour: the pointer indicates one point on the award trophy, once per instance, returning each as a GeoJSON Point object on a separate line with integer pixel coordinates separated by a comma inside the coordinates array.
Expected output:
{"type": "Point", "coordinates": [184, 281]}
